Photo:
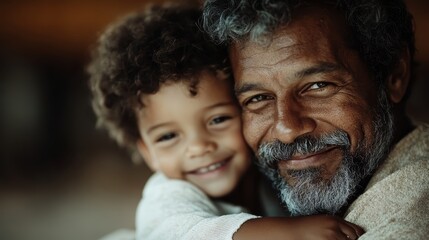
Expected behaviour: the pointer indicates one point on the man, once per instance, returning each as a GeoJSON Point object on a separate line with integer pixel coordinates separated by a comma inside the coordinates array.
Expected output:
{"type": "Point", "coordinates": [323, 87]}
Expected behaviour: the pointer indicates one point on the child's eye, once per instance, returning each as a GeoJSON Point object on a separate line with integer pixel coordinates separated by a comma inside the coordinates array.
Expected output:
{"type": "Point", "coordinates": [166, 137]}
{"type": "Point", "coordinates": [219, 120]}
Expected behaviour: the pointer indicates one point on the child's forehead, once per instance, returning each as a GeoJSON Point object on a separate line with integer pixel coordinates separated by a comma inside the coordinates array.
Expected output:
{"type": "Point", "coordinates": [207, 86]}
{"type": "Point", "coordinates": [194, 84]}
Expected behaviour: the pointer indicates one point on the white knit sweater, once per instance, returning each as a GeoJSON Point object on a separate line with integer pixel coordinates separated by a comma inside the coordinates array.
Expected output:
{"type": "Point", "coordinates": [177, 210]}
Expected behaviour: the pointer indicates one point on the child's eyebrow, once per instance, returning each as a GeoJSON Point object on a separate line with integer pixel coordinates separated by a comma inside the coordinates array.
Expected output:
{"type": "Point", "coordinates": [157, 126]}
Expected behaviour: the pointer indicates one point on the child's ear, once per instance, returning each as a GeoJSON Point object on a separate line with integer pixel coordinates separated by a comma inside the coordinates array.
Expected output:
{"type": "Point", "coordinates": [398, 80]}
{"type": "Point", "coordinates": [147, 157]}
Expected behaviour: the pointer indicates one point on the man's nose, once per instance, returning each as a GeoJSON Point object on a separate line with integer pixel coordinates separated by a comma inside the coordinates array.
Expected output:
{"type": "Point", "coordinates": [291, 121]}
{"type": "Point", "coordinates": [199, 145]}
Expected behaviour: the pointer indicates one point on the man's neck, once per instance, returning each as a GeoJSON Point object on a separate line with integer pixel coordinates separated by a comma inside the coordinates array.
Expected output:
{"type": "Point", "coordinates": [403, 126]}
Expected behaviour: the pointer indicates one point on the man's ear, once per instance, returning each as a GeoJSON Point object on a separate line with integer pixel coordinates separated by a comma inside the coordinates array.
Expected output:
{"type": "Point", "coordinates": [399, 79]}
{"type": "Point", "coordinates": [147, 157]}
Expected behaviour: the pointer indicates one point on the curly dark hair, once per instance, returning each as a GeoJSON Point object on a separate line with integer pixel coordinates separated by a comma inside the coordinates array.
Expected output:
{"type": "Point", "coordinates": [138, 54]}
{"type": "Point", "coordinates": [381, 29]}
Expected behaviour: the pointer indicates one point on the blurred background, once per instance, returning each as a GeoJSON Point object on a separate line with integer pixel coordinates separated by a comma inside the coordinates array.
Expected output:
{"type": "Point", "coordinates": [60, 178]}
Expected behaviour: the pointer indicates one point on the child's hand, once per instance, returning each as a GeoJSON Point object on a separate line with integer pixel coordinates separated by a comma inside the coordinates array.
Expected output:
{"type": "Point", "coordinates": [318, 227]}
{"type": "Point", "coordinates": [323, 227]}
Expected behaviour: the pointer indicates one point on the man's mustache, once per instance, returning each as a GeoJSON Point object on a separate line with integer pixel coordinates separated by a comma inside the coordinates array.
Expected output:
{"type": "Point", "coordinates": [271, 153]}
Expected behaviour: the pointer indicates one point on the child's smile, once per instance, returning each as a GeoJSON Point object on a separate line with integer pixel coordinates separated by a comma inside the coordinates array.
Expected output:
{"type": "Point", "coordinates": [195, 138]}
{"type": "Point", "coordinates": [202, 171]}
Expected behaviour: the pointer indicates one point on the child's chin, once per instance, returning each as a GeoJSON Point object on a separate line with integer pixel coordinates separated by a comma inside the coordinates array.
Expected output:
{"type": "Point", "coordinates": [219, 191]}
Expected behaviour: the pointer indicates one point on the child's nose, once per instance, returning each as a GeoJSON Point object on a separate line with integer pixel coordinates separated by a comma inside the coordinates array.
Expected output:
{"type": "Point", "coordinates": [199, 147]}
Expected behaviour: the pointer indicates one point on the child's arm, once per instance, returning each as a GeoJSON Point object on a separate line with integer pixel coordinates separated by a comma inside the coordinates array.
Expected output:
{"type": "Point", "coordinates": [303, 228]}
{"type": "Point", "coordinates": [177, 210]}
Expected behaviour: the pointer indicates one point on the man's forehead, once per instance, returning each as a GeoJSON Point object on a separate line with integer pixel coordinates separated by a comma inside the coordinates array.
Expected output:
{"type": "Point", "coordinates": [285, 49]}
{"type": "Point", "coordinates": [315, 31]}
{"type": "Point", "coordinates": [247, 50]}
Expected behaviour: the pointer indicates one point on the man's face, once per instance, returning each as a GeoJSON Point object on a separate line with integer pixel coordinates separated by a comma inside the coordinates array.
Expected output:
{"type": "Point", "coordinates": [310, 111]}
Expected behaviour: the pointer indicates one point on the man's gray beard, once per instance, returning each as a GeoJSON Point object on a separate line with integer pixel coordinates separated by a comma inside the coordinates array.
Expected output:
{"type": "Point", "coordinates": [311, 194]}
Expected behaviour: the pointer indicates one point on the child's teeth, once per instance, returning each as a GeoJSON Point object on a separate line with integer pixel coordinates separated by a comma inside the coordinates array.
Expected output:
{"type": "Point", "coordinates": [209, 168]}
{"type": "Point", "coordinates": [214, 166]}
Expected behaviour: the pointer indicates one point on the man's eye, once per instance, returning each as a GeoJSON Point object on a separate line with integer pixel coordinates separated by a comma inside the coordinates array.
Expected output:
{"type": "Point", "coordinates": [257, 98]}
{"type": "Point", "coordinates": [166, 137]}
{"type": "Point", "coordinates": [318, 85]}
{"type": "Point", "coordinates": [220, 119]}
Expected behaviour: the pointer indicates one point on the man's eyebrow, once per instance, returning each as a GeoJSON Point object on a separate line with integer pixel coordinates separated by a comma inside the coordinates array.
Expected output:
{"type": "Point", "coordinates": [221, 104]}
{"type": "Point", "coordinates": [245, 88]}
{"type": "Point", "coordinates": [323, 67]}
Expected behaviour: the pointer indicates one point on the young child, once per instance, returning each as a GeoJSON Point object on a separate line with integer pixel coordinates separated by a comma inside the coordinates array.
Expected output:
{"type": "Point", "coordinates": [161, 87]}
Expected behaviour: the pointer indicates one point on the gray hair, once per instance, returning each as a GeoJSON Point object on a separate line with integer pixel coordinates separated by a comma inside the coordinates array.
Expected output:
{"type": "Point", "coordinates": [380, 29]}
{"type": "Point", "coordinates": [244, 20]}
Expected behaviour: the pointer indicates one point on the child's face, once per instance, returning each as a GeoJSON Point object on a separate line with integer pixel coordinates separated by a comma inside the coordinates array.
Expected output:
{"type": "Point", "coordinates": [195, 138]}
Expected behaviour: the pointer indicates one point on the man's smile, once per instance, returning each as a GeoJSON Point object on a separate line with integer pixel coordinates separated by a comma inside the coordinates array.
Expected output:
{"type": "Point", "coordinates": [298, 161]}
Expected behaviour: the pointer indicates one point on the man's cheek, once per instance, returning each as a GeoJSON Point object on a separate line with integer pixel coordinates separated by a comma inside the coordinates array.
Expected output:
{"type": "Point", "coordinates": [253, 131]}
{"type": "Point", "coordinates": [250, 136]}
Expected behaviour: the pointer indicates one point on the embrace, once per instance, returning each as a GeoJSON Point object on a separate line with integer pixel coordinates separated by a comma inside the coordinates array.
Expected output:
{"type": "Point", "coordinates": [314, 92]}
